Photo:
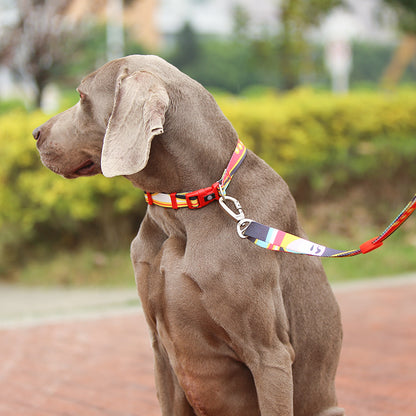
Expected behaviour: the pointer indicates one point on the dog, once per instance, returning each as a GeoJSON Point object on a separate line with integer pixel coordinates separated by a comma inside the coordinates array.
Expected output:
{"type": "Point", "coordinates": [236, 330]}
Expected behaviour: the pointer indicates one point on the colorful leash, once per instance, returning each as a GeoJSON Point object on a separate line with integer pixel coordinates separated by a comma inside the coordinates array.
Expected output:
{"type": "Point", "coordinates": [276, 240]}
{"type": "Point", "coordinates": [262, 235]}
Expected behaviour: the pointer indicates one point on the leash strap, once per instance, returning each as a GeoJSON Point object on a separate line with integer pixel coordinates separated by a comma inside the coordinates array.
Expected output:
{"type": "Point", "coordinates": [235, 162]}
{"type": "Point", "coordinates": [201, 197]}
{"type": "Point", "coordinates": [262, 235]}
{"type": "Point", "coordinates": [276, 240]}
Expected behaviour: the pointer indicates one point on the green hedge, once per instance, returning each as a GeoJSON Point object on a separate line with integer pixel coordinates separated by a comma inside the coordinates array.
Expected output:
{"type": "Point", "coordinates": [320, 143]}
{"type": "Point", "coordinates": [39, 209]}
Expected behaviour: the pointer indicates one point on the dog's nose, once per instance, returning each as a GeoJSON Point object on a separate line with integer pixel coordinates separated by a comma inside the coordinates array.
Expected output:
{"type": "Point", "coordinates": [36, 133]}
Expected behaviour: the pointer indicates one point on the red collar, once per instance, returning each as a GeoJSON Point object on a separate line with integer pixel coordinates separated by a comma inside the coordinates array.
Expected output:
{"type": "Point", "coordinates": [201, 197]}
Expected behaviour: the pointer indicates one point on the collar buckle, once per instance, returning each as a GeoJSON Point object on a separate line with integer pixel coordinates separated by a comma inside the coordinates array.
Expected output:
{"type": "Point", "coordinates": [202, 196]}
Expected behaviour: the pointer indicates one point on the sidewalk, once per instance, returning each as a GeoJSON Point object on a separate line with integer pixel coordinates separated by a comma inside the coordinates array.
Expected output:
{"type": "Point", "coordinates": [26, 305]}
{"type": "Point", "coordinates": [100, 362]}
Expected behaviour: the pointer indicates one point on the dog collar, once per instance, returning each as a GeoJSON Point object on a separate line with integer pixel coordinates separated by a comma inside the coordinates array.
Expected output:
{"type": "Point", "coordinates": [201, 197]}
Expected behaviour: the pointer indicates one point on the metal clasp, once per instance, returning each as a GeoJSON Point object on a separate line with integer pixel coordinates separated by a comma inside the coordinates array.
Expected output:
{"type": "Point", "coordinates": [239, 216]}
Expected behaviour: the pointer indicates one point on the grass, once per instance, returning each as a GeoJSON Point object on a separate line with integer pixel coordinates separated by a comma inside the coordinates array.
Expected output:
{"type": "Point", "coordinates": [395, 257]}
{"type": "Point", "coordinates": [83, 268]}
{"type": "Point", "coordinates": [89, 267]}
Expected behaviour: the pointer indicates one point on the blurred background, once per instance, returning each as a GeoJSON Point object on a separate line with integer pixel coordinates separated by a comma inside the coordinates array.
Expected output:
{"type": "Point", "coordinates": [323, 90]}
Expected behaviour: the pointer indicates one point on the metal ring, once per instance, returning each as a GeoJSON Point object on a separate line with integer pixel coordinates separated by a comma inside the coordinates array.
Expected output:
{"type": "Point", "coordinates": [242, 227]}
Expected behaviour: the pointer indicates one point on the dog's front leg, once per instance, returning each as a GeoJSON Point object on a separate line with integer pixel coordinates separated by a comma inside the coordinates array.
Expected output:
{"type": "Point", "coordinates": [146, 254]}
{"type": "Point", "coordinates": [171, 396]}
{"type": "Point", "coordinates": [273, 380]}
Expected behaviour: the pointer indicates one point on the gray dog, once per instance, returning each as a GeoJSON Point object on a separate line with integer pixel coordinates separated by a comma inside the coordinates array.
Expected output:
{"type": "Point", "coordinates": [236, 329]}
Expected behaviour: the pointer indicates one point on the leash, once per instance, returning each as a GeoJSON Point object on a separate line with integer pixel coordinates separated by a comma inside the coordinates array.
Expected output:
{"type": "Point", "coordinates": [262, 235]}
{"type": "Point", "coordinates": [277, 240]}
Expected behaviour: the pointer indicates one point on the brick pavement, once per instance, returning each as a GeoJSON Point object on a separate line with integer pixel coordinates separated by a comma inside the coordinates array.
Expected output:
{"type": "Point", "coordinates": [377, 373]}
{"type": "Point", "coordinates": [104, 366]}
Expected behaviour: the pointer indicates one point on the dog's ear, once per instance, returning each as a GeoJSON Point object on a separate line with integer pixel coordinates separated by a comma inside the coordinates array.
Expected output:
{"type": "Point", "coordinates": [138, 115]}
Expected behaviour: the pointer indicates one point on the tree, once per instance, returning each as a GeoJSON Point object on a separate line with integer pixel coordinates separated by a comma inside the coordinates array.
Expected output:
{"type": "Point", "coordinates": [406, 14]}
{"type": "Point", "coordinates": [406, 50]}
{"type": "Point", "coordinates": [187, 47]}
{"type": "Point", "coordinates": [39, 42]}
{"type": "Point", "coordinates": [297, 17]}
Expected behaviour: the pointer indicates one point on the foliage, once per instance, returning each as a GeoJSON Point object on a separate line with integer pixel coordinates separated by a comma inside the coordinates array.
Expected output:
{"type": "Point", "coordinates": [9, 105]}
{"type": "Point", "coordinates": [91, 51]}
{"type": "Point", "coordinates": [297, 17]}
{"type": "Point", "coordinates": [88, 267]}
{"type": "Point", "coordinates": [396, 257]}
{"type": "Point", "coordinates": [37, 205]}
{"type": "Point", "coordinates": [406, 14]}
{"type": "Point", "coordinates": [228, 67]}
{"type": "Point", "coordinates": [36, 46]}
{"type": "Point", "coordinates": [241, 63]}
{"type": "Point", "coordinates": [33, 46]}
{"type": "Point", "coordinates": [83, 267]}
{"type": "Point", "coordinates": [227, 64]}
{"type": "Point", "coordinates": [370, 62]}
{"type": "Point", "coordinates": [187, 47]}
{"type": "Point", "coordinates": [324, 146]}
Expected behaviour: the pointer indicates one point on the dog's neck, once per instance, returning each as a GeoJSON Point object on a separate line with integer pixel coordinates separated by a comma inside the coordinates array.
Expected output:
{"type": "Point", "coordinates": [195, 148]}
{"type": "Point", "coordinates": [183, 166]}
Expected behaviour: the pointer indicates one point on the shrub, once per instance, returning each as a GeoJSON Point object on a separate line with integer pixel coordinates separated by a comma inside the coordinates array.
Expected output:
{"type": "Point", "coordinates": [323, 145]}
{"type": "Point", "coordinates": [38, 206]}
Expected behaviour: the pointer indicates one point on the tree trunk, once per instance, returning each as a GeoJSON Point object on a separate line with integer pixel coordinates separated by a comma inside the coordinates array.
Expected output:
{"type": "Point", "coordinates": [400, 61]}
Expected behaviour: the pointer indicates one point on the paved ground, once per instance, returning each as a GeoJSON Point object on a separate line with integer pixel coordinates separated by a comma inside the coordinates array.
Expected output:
{"type": "Point", "coordinates": [28, 306]}
{"type": "Point", "coordinates": [102, 365]}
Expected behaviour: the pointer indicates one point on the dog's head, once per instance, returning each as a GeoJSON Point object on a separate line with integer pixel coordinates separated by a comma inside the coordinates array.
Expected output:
{"type": "Point", "coordinates": [122, 107]}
